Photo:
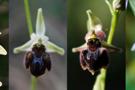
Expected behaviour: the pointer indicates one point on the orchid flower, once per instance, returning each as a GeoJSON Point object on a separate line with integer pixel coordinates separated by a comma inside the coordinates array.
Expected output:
{"type": "Point", "coordinates": [39, 37]}
{"type": "Point", "coordinates": [95, 24]}
{"type": "Point", "coordinates": [2, 50]}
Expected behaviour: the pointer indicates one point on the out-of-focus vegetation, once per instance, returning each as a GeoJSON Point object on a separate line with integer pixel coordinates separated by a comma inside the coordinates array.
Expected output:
{"type": "Point", "coordinates": [132, 5]}
{"type": "Point", "coordinates": [3, 14]}
{"type": "Point", "coordinates": [4, 42]}
{"type": "Point", "coordinates": [130, 40]}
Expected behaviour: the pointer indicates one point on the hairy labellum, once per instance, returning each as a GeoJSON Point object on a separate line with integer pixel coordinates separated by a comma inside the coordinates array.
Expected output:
{"type": "Point", "coordinates": [94, 63]}
{"type": "Point", "coordinates": [37, 60]}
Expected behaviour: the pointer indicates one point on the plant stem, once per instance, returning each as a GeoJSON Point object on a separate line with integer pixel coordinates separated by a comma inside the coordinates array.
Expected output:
{"type": "Point", "coordinates": [33, 82]}
{"type": "Point", "coordinates": [30, 29]}
{"type": "Point", "coordinates": [28, 16]}
{"type": "Point", "coordinates": [113, 26]}
{"type": "Point", "coordinates": [100, 81]}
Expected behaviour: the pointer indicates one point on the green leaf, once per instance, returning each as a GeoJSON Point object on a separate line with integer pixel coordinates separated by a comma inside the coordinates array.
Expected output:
{"type": "Point", "coordinates": [132, 4]}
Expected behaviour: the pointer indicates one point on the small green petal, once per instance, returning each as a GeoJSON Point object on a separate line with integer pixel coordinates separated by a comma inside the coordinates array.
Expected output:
{"type": "Point", "coordinates": [2, 51]}
{"type": "Point", "coordinates": [24, 47]}
{"type": "Point", "coordinates": [33, 36]}
{"type": "Point", "coordinates": [40, 24]}
{"type": "Point", "coordinates": [54, 48]}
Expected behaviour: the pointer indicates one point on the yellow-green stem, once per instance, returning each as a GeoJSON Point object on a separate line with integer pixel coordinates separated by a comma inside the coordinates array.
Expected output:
{"type": "Point", "coordinates": [113, 26]}
{"type": "Point", "coordinates": [100, 81]}
{"type": "Point", "coordinates": [30, 29]}
{"type": "Point", "coordinates": [33, 83]}
{"type": "Point", "coordinates": [28, 16]}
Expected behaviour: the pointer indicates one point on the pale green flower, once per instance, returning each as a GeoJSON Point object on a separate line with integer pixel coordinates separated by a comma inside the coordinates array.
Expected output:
{"type": "Point", "coordinates": [39, 37]}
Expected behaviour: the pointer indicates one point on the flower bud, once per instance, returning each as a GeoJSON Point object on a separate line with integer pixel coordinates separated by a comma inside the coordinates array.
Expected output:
{"type": "Point", "coordinates": [119, 5]}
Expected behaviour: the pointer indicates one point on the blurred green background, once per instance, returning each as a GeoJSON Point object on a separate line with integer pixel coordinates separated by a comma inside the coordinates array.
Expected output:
{"type": "Point", "coordinates": [4, 17]}
{"type": "Point", "coordinates": [83, 80]}
{"type": "Point", "coordinates": [130, 55]}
